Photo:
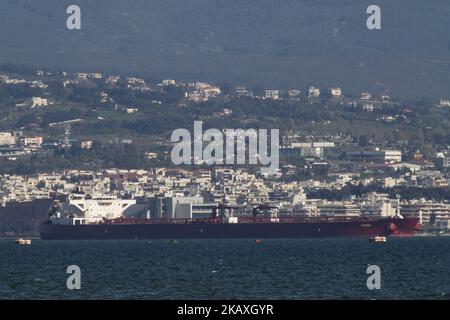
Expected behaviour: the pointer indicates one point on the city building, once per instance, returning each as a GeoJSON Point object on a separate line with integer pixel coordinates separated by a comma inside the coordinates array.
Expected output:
{"type": "Point", "coordinates": [293, 94]}
{"type": "Point", "coordinates": [336, 92]}
{"type": "Point", "coordinates": [39, 102]}
{"type": "Point", "coordinates": [312, 149]}
{"type": "Point", "coordinates": [313, 92]}
{"type": "Point", "coordinates": [32, 142]}
{"type": "Point", "coordinates": [444, 161]}
{"type": "Point", "coordinates": [7, 139]}
{"type": "Point", "coordinates": [272, 94]}
{"type": "Point", "coordinates": [151, 155]}
{"type": "Point", "coordinates": [340, 209]}
{"type": "Point", "coordinates": [428, 212]}
{"type": "Point", "coordinates": [384, 156]}
{"type": "Point", "coordinates": [176, 207]}
{"type": "Point", "coordinates": [169, 82]}
{"type": "Point", "coordinates": [392, 156]}
{"type": "Point", "coordinates": [444, 103]}
{"type": "Point", "coordinates": [86, 144]}
{"type": "Point", "coordinates": [365, 96]}
{"type": "Point", "coordinates": [243, 92]}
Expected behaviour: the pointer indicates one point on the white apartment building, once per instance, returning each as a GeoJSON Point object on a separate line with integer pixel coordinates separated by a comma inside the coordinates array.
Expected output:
{"type": "Point", "coordinates": [444, 103]}
{"type": "Point", "coordinates": [366, 96]}
{"type": "Point", "coordinates": [169, 82]}
{"type": "Point", "coordinates": [7, 139]}
{"type": "Point", "coordinates": [336, 92]}
{"type": "Point", "coordinates": [272, 94]}
{"type": "Point", "coordinates": [426, 211]}
{"type": "Point", "coordinates": [313, 92]}
{"type": "Point", "coordinates": [39, 102]}
{"type": "Point", "coordinates": [392, 156]}
{"type": "Point", "coordinates": [32, 142]}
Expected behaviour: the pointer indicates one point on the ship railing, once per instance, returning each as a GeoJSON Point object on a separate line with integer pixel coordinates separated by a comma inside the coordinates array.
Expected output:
{"type": "Point", "coordinates": [243, 219]}
{"type": "Point", "coordinates": [305, 219]}
{"type": "Point", "coordinates": [163, 221]}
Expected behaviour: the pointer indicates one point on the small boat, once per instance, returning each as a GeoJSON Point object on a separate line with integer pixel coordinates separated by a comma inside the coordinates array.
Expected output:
{"type": "Point", "coordinates": [23, 241]}
{"type": "Point", "coordinates": [378, 239]}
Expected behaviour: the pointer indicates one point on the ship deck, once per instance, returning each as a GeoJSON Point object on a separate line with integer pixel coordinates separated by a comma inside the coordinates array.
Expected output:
{"type": "Point", "coordinates": [246, 219]}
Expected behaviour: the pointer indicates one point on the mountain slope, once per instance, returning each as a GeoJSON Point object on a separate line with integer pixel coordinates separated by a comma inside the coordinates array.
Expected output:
{"type": "Point", "coordinates": [288, 43]}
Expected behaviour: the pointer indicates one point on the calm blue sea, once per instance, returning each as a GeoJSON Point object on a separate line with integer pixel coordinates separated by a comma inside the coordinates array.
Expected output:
{"type": "Point", "coordinates": [415, 268]}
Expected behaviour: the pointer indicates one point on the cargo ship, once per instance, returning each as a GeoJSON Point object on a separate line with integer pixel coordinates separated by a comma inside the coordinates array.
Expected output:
{"type": "Point", "coordinates": [102, 218]}
{"type": "Point", "coordinates": [23, 218]}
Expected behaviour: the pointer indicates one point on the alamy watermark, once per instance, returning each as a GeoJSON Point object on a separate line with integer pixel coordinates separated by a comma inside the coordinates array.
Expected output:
{"type": "Point", "coordinates": [73, 21]}
{"type": "Point", "coordinates": [228, 147]}
{"type": "Point", "coordinates": [74, 280]}
{"type": "Point", "coordinates": [374, 280]}
{"type": "Point", "coordinates": [374, 20]}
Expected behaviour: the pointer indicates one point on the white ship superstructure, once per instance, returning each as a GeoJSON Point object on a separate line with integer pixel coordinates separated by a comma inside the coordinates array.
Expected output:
{"type": "Point", "coordinates": [82, 209]}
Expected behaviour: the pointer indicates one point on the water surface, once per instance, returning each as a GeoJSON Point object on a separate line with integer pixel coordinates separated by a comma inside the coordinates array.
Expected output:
{"type": "Point", "coordinates": [414, 268]}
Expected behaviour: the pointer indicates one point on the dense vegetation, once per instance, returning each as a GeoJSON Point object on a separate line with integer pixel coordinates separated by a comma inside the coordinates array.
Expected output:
{"type": "Point", "coordinates": [415, 125]}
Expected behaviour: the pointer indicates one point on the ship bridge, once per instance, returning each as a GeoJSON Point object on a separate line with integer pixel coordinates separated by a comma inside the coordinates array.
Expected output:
{"type": "Point", "coordinates": [95, 209]}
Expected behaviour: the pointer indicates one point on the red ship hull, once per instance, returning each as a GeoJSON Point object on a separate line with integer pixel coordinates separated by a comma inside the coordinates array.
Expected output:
{"type": "Point", "coordinates": [214, 229]}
